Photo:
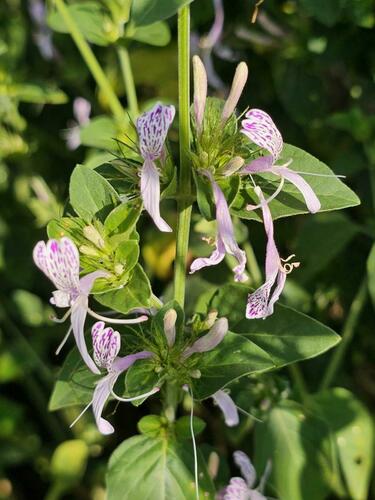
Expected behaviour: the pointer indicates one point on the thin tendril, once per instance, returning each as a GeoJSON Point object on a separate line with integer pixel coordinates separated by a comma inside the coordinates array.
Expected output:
{"type": "Point", "coordinates": [194, 445]}
{"type": "Point", "coordinates": [115, 321]}
{"type": "Point", "coordinates": [55, 319]}
{"type": "Point", "coordinates": [80, 415]}
{"type": "Point", "coordinates": [241, 410]}
{"type": "Point", "coordinates": [141, 396]}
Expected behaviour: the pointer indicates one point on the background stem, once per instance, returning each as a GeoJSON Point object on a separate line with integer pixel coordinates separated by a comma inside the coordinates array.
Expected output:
{"type": "Point", "coordinates": [91, 62]}
{"type": "Point", "coordinates": [127, 75]}
{"type": "Point", "coordinates": [347, 334]}
{"type": "Point", "coordinates": [184, 186]}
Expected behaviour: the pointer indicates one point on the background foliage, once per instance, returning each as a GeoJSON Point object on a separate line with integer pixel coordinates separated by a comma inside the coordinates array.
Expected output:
{"type": "Point", "coordinates": [312, 67]}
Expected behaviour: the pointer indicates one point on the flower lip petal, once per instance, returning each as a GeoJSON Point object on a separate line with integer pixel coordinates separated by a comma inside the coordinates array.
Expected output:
{"type": "Point", "coordinates": [227, 406]}
{"type": "Point", "coordinates": [259, 127]}
{"type": "Point", "coordinates": [152, 128]}
{"type": "Point", "coordinates": [106, 343]}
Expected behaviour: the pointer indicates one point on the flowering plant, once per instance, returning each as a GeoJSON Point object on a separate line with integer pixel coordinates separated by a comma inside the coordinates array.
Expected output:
{"type": "Point", "coordinates": [179, 353]}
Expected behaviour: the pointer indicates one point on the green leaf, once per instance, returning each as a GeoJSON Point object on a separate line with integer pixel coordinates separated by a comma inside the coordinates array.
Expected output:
{"type": "Point", "coordinates": [68, 462]}
{"type": "Point", "coordinates": [34, 93]}
{"type": "Point", "coordinates": [182, 427]}
{"type": "Point", "coordinates": [141, 378]}
{"type": "Point", "coordinates": [152, 425]}
{"type": "Point", "coordinates": [127, 255]}
{"type": "Point", "coordinates": [75, 383]}
{"type": "Point", "coordinates": [331, 191]}
{"type": "Point", "coordinates": [353, 434]}
{"type": "Point", "coordinates": [122, 220]}
{"type": "Point", "coordinates": [100, 132]}
{"type": "Point", "coordinates": [145, 12]}
{"type": "Point", "coordinates": [90, 194]}
{"type": "Point", "coordinates": [371, 274]}
{"type": "Point", "coordinates": [92, 20]}
{"type": "Point", "coordinates": [157, 34]}
{"type": "Point", "coordinates": [136, 293]}
{"type": "Point", "coordinates": [328, 13]}
{"type": "Point", "coordinates": [234, 357]}
{"type": "Point", "coordinates": [292, 440]}
{"type": "Point", "coordinates": [155, 469]}
{"type": "Point", "coordinates": [321, 239]}
{"type": "Point", "coordinates": [287, 336]}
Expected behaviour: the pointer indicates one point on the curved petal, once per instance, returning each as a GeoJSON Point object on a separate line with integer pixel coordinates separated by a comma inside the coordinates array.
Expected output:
{"type": "Point", "coordinates": [101, 394]}
{"type": "Point", "coordinates": [78, 317]}
{"type": "Point", "coordinates": [215, 258]}
{"type": "Point", "coordinates": [246, 467]}
{"type": "Point", "coordinates": [123, 363]}
{"type": "Point", "coordinates": [227, 406]}
{"type": "Point", "coordinates": [262, 131]}
{"type": "Point", "coordinates": [236, 490]}
{"type": "Point", "coordinates": [150, 192]}
{"type": "Point", "coordinates": [261, 164]}
{"type": "Point", "coordinates": [312, 201]}
{"type": "Point", "coordinates": [87, 282]}
{"type": "Point", "coordinates": [210, 340]}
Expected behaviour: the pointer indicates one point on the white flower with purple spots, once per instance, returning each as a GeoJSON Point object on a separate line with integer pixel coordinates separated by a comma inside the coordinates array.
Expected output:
{"type": "Point", "coordinates": [59, 261]}
{"type": "Point", "coordinates": [261, 302]}
{"type": "Point", "coordinates": [242, 488]}
{"type": "Point", "coordinates": [225, 240]}
{"type": "Point", "coordinates": [152, 128]}
{"type": "Point", "coordinates": [261, 130]}
{"type": "Point", "coordinates": [106, 345]}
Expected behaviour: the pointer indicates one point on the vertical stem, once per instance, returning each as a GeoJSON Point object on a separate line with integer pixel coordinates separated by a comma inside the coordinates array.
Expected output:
{"type": "Point", "coordinates": [347, 334]}
{"type": "Point", "coordinates": [252, 265]}
{"type": "Point", "coordinates": [184, 185]}
{"type": "Point", "coordinates": [91, 61]}
{"type": "Point", "coordinates": [127, 75]}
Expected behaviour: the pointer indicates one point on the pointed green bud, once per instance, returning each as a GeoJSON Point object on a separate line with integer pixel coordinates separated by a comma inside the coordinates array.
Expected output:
{"type": "Point", "coordinates": [200, 91]}
{"type": "Point", "coordinates": [170, 326]}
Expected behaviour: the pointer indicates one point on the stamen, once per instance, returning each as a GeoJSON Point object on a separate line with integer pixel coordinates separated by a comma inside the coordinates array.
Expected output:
{"type": "Point", "coordinates": [287, 268]}
{"type": "Point", "coordinates": [338, 176]}
{"type": "Point", "coordinates": [209, 240]}
{"type": "Point", "coordinates": [55, 319]}
{"type": "Point", "coordinates": [145, 395]}
{"type": "Point", "coordinates": [63, 341]}
{"type": "Point", "coordinates": [281, 185]}
{"type": "Point", "coordinates": [80, 415]}
{"type": "Point", "coordinates": [241, 410]}
{"type": "Point", "coordinates": [115, 321]}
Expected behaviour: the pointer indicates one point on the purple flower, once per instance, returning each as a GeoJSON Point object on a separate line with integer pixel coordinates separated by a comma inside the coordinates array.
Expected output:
{"type": "Point", "coordinates": [81, 111]}
{"type": "Point", "coordinates": [261, 130]}
{"type": "Point", "coordinates": [242, 488]}
{"type": "Point", "coordinates": [106, 343]}
{"type": "Point", "coordinates": [228, 407]}
{"type": "Point", "coordinates": [152, 128]}
{"type": "Point", "coordinates": [42, 35]}
{"type": "Point", "coordinates": [59, 261]}
{"type": "Point", "coordinates": [225, 239]}
{"type": "Point", "coordinates": [261, 302]}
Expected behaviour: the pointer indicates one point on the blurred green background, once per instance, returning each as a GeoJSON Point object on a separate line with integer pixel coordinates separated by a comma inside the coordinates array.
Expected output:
{"type": "Point", "coordinates": [312, 66]}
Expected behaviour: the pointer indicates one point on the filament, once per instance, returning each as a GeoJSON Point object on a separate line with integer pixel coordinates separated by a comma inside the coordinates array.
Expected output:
{"type": "Point", "coordinates": [115, 321]}
{"type": "Point", "coordinates": [194, 444]}
{"type": "Point", "coordinates": [64, 341]}
{"type": "Point", "coordinates": [55, 319]}
{"type": "Point", "coordinates": [80, 415]}
{"type": "Point", "coordinates": [241, 410]}
{"type": "Point", "coordinates": [281, 185]}
{"type": "Point", "coordinates": [141, 396]}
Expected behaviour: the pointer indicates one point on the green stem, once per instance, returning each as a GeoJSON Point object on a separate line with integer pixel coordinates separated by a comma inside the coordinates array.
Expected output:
{"type": "Point", "coordinates": [184, 187]}
{"type": "Point", "coordinates": [91, 61]}
{"type": "Point", "coordinates": [299, 382]}
{"type": "Point", "coordinates": [127, 75]}
{"type": "Point", "coordinates": [347, 334]}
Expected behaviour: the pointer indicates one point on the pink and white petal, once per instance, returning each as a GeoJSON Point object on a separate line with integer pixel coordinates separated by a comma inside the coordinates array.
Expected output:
{"type": "Point", "coordinates": [257, 302]}
{"type": "Point", "coordinates": [262, 131]}
{"type": "Point", "coordinates": [227, 406]}
{"type": "Point", "coordinates": [87, 282]}
{"type": "Point", "coordinates": [62, 260]}
{"type": "Point", "coordinates": [236, 490]}
{"type": "Point", "coordinates": [281, 279]}
{"type": "Point", "coordinates": [261, 164]}
{"type": "Point", "coordinates": [256, 495]}
{"type": "Point", "coordinates": [106, 343]}
{"type": "Point", "coordinates": [81, 110]}
{"type": "Point", "coordinates": [40, 257]}
{"type": "Point", "coordinates": [101, 394]}
{"type": "Point", "coordinates": [150, 193]}
{"type": "Point", "coordinates": [215, 258]}
{"type": "Point", "coordinates": [311, 200]}
{"type": "Point", "coordinates": [78, 317]}
{"type": "Point", "coordinates": [152, 128]}
{"type": "Point", "coordinates": [60, 299]}
{"type": "Point", "coordinates": [123, 363]}
{"type": "Point", "coordinates": [246, 467]}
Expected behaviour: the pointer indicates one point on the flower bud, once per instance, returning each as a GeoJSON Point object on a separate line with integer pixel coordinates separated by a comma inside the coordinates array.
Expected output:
{"type": "Point", "coordinates": [210, 340]}
{"type": "Point", "coordinates": [210, 319]}
{"type": "Point", "coordinates": [239, 81]}
{"type": "Point", "coordinates": [170, 326]}
{"type": "Point", "coordinates": [89, 251]}
{"type": "Point", "coordinates": [93, 235]}
{"type": "Point", "coordinates": [233, 166]}
{"type": "Point", "coordinates": [200, 91]}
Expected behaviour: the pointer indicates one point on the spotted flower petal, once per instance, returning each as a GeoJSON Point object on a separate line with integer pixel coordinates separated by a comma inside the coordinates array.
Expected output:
{"type": "Point", "coordinates": [259, 127]}
{"type": "Point", "coordinates": [106, 343]}
{"type": "Point", "coordinates": [152, 128]}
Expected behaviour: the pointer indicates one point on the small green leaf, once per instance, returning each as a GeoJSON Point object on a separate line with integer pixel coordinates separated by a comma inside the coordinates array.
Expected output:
{"type": "Point", "coordinates": [122, 219]}
{"type": "Point", "coordinates": [136, 293]}
{"type": "Point", "coordinates": [182, 427]}
{"type": "Point", "coordinates": [331, 191]}
{"type": "Point", "coordinates": [141, 378]}
{"type": "Point", "coordinates": [353, 433]}
{"type": "Point", "coordinates": [69, 461]}
{"type": "Point", "coordinates": [155, 469]}
{"type": "Point", "coordinates": [157, 34]}
{"type": "Point", "coordinates": [92, 20]}
{"type": "Point", "coordinates": [152, 425]}
{"type": "Point", "coordinates": [292, 440]}
{"type": "Point", "coordinates": [145, 12]}
{"type": "Point", "coordinates": [90, 194]}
